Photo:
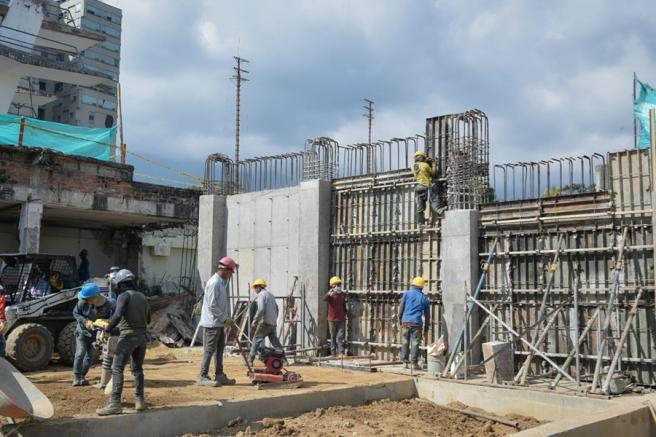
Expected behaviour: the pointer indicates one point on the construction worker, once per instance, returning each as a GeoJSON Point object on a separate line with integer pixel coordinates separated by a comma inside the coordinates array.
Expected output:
{"type": "Point", "coordinates": [91, 305]}
{"type": "Point", "coordinates": [56, 283]}
{"type": "Point", "coordinates": [110, 276]}
{"type": "Point", "coordinates": [83, 270]}
{"type": "Point", "coordinates": [336, 299]}
{"type": "Point", "coordinates": [39, 287]}
{"type": "Point", "coordinates": [425, 171]}
{"type": "Point", "coordinates": [216, 321]}
{"type": "Point", "coordinates": [265, 320]}
{"type": "Point", "coordinates": [413, 305]}
{"type": "Point", "coordinates": [131, 316]}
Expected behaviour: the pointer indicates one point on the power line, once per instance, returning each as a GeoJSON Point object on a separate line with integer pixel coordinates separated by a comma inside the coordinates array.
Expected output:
{"type": "Point", "coordinates": [369, 116]}
{"type": "Point", "coordinates": [239, 77]}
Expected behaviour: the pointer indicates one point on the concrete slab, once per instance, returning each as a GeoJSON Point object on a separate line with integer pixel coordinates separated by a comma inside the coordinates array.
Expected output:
{"type": "Point", "coordinates": [194, 419]}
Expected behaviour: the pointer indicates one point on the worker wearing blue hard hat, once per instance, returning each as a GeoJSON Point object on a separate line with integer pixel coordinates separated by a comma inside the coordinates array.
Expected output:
{"type": "Point", "coordinates": [91, 305]}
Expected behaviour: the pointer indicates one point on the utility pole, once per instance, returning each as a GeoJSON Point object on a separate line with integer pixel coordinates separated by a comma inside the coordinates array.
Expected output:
{"type": "Point", "coordinates": [239, 77]}
{"type": "Point", "coordinates": [369, 116]}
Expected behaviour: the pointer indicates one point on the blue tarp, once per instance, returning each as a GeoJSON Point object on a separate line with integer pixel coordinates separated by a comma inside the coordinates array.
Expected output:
{"type": "Point", "coordinates": [646, 101]}
{"type": "Point", "coordinates": [73, 140]}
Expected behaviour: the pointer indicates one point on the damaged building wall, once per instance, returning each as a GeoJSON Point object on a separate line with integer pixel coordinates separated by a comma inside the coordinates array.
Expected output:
{"type": "Point", "coordinates": [87, 204]}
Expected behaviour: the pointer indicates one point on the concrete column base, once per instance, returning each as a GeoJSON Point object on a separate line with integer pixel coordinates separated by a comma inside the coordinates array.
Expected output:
{"type": "Point", "coordinates": [460, 271]}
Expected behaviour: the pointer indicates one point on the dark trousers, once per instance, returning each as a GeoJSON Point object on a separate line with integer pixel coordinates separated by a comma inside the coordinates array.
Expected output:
{"type": "Point", "coordinates": [84, 355]}
{"type": "Point", "coordinates": [263, 331]}
{"type": "Point", "coordinates": [422, 195]}
{"type": "Point", "coordinates": [336, 328]}
{"type": "Point", "coordinates": [411, 340]}
{"type": "Point", "coordinates": [133, 346]}
{"type": "Point", "coordinates": [3, 346]}
{"type": "Point", "coordinates": [213, 345]}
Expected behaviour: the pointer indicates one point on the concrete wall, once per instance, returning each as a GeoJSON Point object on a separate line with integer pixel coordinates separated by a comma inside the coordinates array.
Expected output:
{"type": "Point", "coordinates": [163, 253]}
{"type": "Point", "coordinates": [212, 227]}
{"type": "Point", "coordinates": [279, 234]}
{"type": "Point", "coordinates": [105, 247]}
{"type": "Point", "coordinates": [8, 237]}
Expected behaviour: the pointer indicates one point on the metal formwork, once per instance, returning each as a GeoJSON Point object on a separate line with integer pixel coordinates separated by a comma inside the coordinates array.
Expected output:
{"type": "Point", "coordinates": [584, 259]}
{"type": "Point", "coordinates": [377, 249]}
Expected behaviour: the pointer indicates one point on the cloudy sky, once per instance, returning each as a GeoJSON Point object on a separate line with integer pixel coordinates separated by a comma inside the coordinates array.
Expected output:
{"type": "Point", "coordinates": [555, 78]}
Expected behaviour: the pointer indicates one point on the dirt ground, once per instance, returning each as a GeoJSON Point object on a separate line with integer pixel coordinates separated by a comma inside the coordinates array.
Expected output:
{"type": "Point", "coordinates": [410, 417]}
{"type": "Point", "coordinates": [171, 381]}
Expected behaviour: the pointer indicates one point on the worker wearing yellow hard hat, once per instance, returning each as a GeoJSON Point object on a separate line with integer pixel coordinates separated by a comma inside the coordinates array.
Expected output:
{"type": "Point", "coordinates": [414, 304]}
{"type": "Point", "coordinates": [425, 172]}
{"type": "Point", "coordinates": [336, 301]}
{"type": "Point", "coordinates": [265, 320]}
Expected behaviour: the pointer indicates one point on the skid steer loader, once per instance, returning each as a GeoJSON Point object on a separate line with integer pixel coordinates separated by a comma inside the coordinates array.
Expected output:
{"type": "Point", "coordinates": [39, 325]}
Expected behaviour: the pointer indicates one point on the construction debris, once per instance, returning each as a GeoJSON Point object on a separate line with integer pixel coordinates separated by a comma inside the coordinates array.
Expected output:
{"type": "Point", "coordinates": [170, 322]}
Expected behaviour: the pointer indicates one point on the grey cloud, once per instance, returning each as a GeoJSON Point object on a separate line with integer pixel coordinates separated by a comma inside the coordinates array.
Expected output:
{"type": "Point", "coordinates": [554, 77]}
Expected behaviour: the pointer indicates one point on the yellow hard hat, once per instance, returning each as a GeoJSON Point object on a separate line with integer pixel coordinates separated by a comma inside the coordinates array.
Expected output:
{"type": "Point", "coordinates": [259, 282]}
{"type": "Point", "coordinates": [420, 153]}
{"type": "Point", "coordinates": [419, 282]}
{"type": "Point", "coordinates": [335, 280]}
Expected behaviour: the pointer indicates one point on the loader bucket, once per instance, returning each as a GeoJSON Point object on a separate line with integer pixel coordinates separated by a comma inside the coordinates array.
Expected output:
{"type": "Point", "coordinates": [19, 398]}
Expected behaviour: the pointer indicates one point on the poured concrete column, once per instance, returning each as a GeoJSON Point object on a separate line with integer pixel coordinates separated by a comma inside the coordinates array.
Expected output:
{"type": "Point", "coordinates": [212, 214]}
{"type": "Point", "coordinates": [314, 254]}
{"type": "Point", "coordinates": [460, 265]}
{"type": "Point", "coordinates": [29, 227]}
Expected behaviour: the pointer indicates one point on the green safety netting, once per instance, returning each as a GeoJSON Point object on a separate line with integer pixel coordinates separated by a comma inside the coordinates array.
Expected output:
{"type": "Point", "coordinates": [73, 140]}
{"type": "Point", "coordinates": [646, 101]}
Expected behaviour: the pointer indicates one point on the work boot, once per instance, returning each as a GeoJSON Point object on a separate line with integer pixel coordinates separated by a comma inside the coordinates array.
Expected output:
{"type": "Point", "coordinates": [105, 376]}
{"type": "Point", "coordinates": [76, 382]}
{"type": "Point", "coordinates": [84, 382]}
{"type": "Point", "coordinates": [139, 404]}
{"type": "Point", "coordinates": [109, 409]}
{"type": "Point", "coordinates": [207, 382]}
{"type": "Point", "coordinates": [405, 364]}
{"type": "Point", "coordinates": [417, 366]}
{"type": "Point", "coordinates": [223, 379]}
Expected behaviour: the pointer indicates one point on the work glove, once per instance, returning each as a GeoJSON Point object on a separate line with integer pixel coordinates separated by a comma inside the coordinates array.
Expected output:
{"type": "Point", "coordinates": [4, 326]}
{"type": "Point", "coordinates": [103, 336]}
{"type": "Point", "coordinates": [89, 325]}
{"type": "Point", "coordinates": [229, 323]}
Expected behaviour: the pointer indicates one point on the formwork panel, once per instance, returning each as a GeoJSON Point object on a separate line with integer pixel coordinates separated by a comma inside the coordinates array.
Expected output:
{"type": "Point", "coordinates": [377, 249]}
{"type": "Point", "coordinates": [586, 234]}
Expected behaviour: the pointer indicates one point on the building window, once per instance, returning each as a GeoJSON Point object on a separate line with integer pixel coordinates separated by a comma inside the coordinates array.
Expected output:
{"type": "Point", "coordinates": [42, 85]}
{"type": "Point", "coordinates": [59, 86]}
{"type": "Point", "coordinates": [41, 114]}
{"type": "Point", "coordinates": [92, 118]}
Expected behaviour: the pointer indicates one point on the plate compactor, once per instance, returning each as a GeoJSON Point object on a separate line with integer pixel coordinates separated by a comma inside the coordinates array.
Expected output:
{"type": "Point", "coordinates": [274, 373]}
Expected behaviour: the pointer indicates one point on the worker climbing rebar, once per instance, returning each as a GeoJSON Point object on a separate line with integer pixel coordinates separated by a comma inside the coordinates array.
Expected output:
{"type": "Point", "coordinates": [425, 172]}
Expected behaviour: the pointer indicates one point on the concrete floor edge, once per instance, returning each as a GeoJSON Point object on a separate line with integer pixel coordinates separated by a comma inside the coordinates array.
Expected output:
{"type": "Point", "coordinates": [567, 415]}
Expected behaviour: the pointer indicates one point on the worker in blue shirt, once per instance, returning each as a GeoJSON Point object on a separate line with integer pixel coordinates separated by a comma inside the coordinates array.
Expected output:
{"type": "Point", "coordinates": [413, 305]}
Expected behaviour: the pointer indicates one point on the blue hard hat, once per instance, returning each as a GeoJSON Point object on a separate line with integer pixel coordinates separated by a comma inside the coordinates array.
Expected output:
{"type": "Point", "coordinates": [89, 290]}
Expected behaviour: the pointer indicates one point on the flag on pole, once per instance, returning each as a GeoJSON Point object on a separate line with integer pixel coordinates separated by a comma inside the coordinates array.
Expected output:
{"type": "Point", "coordinates": [641, 106]}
